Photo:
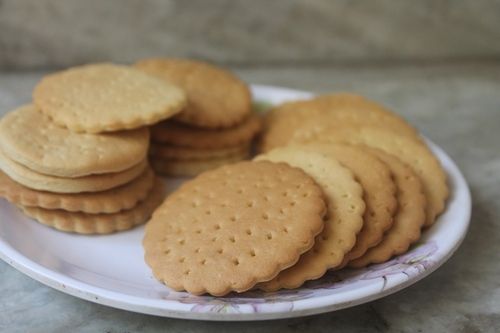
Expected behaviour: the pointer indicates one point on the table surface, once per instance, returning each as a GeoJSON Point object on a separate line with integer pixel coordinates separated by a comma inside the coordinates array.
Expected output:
{"type": "Point", "coordinates": [457, 106]}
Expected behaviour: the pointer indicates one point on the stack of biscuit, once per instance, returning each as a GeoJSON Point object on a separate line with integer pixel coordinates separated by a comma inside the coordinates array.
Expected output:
{"type": "Point", "coordinates": [76, 159]}
{"type": "Point", "coordinates": [344, 158]}
{"type": "Point", "coordinates": [214, 128]}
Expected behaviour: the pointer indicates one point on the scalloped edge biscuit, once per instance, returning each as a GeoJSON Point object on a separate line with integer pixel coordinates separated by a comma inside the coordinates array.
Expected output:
{"type": "Point", "coordinates": [92, 183]}
{"type": "Point", "coordinates": [110, 201]}
{"type": "Point", "coordinates": [227, 229]}
{"type": "Point", "coordinates": [310, 117]}
{"type": "Point", "coordinates": [106, 97]}
{"type": "Point", "coordinates": [83, 223]}
{"type": "Point", "coordinates": [182, 135]}
{"type": "Point", "coordinates": [216, 97]}
{"type": "Point", "coordinates": [30, 138]}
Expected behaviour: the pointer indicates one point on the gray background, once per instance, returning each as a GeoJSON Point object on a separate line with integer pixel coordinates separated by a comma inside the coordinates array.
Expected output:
{"type": "Point", "coordinates": [54, 33]}
{"type": "Point", "coordinates": [435, 62]}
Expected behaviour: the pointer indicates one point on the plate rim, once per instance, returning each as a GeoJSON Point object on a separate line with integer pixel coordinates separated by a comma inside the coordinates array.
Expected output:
{"type": "Point", "coordinates": [166, 308]}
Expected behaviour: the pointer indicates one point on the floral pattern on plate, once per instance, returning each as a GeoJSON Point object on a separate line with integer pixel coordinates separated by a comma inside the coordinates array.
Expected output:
{"type": "Point", "coordinates": [410, 264]}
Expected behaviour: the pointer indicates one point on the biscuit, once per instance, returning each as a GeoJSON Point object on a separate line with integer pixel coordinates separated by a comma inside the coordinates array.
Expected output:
{"type": "Point", "coordinates": [177, 134]}
{"type": "Point", "coordinates": [28, 137]}
{"type": "Point", "coordinates": [408, 220]}
{"type": "Point", "coordinates": [216, 97]}
{"type": "Point", "coordinates": [106, 97]}
{"type": "Point", "coordinates": [317, 126]}
{"type": "Point", "coordinates": [92, 183]}
{"type": "Point", "coordinates": [110, 201]}
{"type": "Point", "coordinates": [189, 168]}
{"type": "Point", "coordinates": [233, 227]}
{"type": "Point", "coordinates": [309, 117]}
{"type": "Point", "coordinates": [344, 197]}
{"type": "Point", "coordinates": [379, 192]}
{"type": "Point", "coordinates": [410, 151]}
{"type": "Point", "coordinates": [83, 223]}
{"type": "Point", "coordinates": [166, 151]}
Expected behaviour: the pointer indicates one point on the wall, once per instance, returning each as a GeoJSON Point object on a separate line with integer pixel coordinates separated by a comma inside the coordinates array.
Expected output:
{"type": "Point", "coordinates": [54, 33]}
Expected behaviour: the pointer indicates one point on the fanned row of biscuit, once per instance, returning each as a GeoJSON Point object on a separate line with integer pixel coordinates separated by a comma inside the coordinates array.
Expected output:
{"type": "Point", "coordinates": [228, 229]}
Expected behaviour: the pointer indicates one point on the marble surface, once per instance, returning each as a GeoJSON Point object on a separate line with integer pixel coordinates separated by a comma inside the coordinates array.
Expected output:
{"type": "Point", "coordinates": [54, 33]}
{"type": "Point", "coordinates": [457, 106]}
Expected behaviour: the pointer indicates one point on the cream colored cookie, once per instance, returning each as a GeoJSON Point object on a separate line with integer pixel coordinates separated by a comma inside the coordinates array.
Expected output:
{"type": "Point", "coordinates": [167, 151]}
{"type": "Point", "coordinates": [408, 220]}
{"type": "Point", "coordinates": [344, 197]}
{"type": "Point", "coordinates": [410, 151]}
{"type": "Point", "coordinates": [106, 97]}
{"type": "Point", "coordinates": [233, 227]}
{"type": "Point", "coordinates": [189, 168]}
{"type": "Point", "coordinates": [379, 193]}
{"type": "Point", "coordinates": [83, 223]}
{"type": "Point", "coordinates": [30, 138]}
{"type": "Point", "coordinates": [111, 201]}
{"type": "Point", "coordinates": [92, 183]}
{"type": "Point", "coordinates": [177, 134]}
{"type": "Point", "coordinates": [216, 97]}
{"type": "Point", "coordinates": [307, 118]}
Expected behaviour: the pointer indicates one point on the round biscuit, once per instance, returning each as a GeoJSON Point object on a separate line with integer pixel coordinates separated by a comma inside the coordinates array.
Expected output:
{"type": "Point", "coordinates": [216, 97]}
{"type": "Point", "coordinates": [110, 201]}
{"type": "Point", "coordinates": [233, 227]}
{"type": "Point", "coordinates": [30, 138]}
{"type": "Point", "coordinates": [181, 135]}
{"type": "Point", "coordinates": [106, 97]}
{"type": "Point", "coordinates": [308, 118]}
{"type": "Point", "coordinates": [83, 223]}
{"type": "Point", "coordinates": [91, 183]}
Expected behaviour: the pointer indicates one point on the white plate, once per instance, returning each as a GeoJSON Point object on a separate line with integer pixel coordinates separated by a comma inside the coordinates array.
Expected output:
{"type": "Point", "coordinates": [110, 269]}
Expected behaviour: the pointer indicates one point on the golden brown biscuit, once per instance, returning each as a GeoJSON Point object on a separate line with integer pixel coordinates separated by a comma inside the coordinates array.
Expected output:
{"type": "Point", "coordinates": [30, 138]}
{"type": "Point", "coordinates": [233, 227]}
{"type": "Point", "coordinates": [99, 98]}
{"type": "Point", "coordinates": [177, 134]}
{"type": "Point", "coordinates": [83, 223]}
{"type": "Point", "coordinates": [111, 201]}
{"type": "Point", "coordinates": [92, 183]}
{"type": "Point", "coordinates": [306, 119]}
{"type": "Point", "coordinates": [216, 97]}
